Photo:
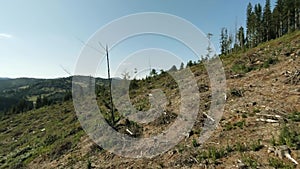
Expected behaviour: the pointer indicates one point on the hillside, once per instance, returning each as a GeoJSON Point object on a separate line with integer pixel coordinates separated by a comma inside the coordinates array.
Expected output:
{"type": "Point", "coordinates": [50, 91]}
{"type": "Point", "coordinates": [262, 111]}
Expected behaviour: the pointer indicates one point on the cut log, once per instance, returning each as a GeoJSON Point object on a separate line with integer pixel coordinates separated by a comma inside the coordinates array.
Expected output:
{"type": "Point", "coordinates": [267, 120]}
{"type": "Point", "coordinates": [209, 117]}
{"type": "Point", "coordinates": [269, 115]}
{"type": "Point", "coordinates": [128, 131]}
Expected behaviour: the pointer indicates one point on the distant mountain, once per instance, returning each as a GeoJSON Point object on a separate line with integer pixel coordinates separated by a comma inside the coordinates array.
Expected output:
{"type": "Point", "coordinates": [14, 91]}
{"type": "Point", "coordinates": [4, 78]}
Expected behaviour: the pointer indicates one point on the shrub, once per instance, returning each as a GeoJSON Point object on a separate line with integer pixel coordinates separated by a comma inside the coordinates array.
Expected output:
{"type": "Point", "coordinates": [273, 141]}
{"type": "Point", "coordinates": [228, 126]}
{"type": "Point", "coordinates": [89, 165]}
{"type": "Point", "coordinates": [256, 146]}
{"type": "Point", "coordinates": [133, 85]}
{"type": "Point", "coordinates": [256, 110]}
{"type": "Point", "coordinates": [60, 149]}
{"type": "Point", "coordinates": [216, 153]}
{"type": "Point", "coordinates": [228, 149]}
{"type": "Point", "coordinates": [240, 147]}
{"type": "Point", "coordinates": [295, 117]}
{"type": "Point", "coordinates": [240, 67]}
{"type": "Point", "coordinates": [240, 124]}
{"type": "Point", "coordinates": [270, 61]}
{"type": "Point", "coordinates": [289, 136]}
{"type": "Point", "coordinates": [195, 143]}
{"type": "Point", "coordinates": [236, 92]}
{"type": "Point", "coordinates": [249, 161]}
{"type": "Point", "coordinates": [50, 139]}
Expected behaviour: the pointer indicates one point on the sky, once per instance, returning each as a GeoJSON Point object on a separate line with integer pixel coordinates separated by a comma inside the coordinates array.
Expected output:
{"type": "Point", "coordinates": [43, 39]}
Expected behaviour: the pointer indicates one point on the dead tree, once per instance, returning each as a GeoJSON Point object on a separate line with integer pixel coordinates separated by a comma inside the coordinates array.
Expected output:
{"type": "Point", "coordinates": [109, 85]}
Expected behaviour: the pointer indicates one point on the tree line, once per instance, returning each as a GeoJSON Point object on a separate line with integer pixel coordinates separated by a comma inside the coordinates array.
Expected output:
{"type": "Point", "coordinates": [20, 105]}
{"type": "Point", "coordinates": [262, 24]}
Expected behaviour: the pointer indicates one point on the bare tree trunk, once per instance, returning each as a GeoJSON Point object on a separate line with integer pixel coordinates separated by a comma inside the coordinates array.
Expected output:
{"type": "Point", "coordinates": [296, 18]}
{"type": "Point", "coordinates": [280, 25]}
{"type": "Point", "coordinates": [289, 21]}
{"type": "Point", "coordinates": [110, 92]}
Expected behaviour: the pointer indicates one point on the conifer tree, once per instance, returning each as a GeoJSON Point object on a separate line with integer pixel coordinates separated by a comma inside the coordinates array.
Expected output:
{"type": "Point", "coordinates": [38, 102]}
{"type": "Point", "coordinates": [258, 31]}
{"type": "Point", "coordinates": [297, 14]}
{"type": "Point", "coordinates": [267, 17]}
{"type": "Point", "coordinates": [264, 24]}
{"type": "Point", "coordinates": [289, 11]}
{"type": "Point", "coordinates": [278, 17]}
{"type": "Point", "coordinates": [241, 37]}
{"type": "Point", "coordinates": [250, 26]}
{"type": "Point", "coordinates": [223, 40]}
{"type": "Point", "coordinates": [181, 66]}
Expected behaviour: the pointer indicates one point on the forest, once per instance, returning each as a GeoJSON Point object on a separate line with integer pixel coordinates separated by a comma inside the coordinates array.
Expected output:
{"type": "Point", "coordinates": [262, 24]}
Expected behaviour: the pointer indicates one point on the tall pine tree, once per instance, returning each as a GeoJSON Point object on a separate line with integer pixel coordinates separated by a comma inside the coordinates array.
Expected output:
{"type": "Point", "coordinates": [226, 41]}
{"type": "Point", "coordinates": [241, 37]}
{"type": "Point", "coordinates": [277, 18]}
{"type": "Point", "coordinates": [250, 26]}
{"type": "Point", "coordinates": [297, 14]}
{"type": "Point", "coordinates": [267, 20]}
{"type": "Point", "coordinates": [289, 10]}
{"type": "Point", "coordinates": [258, 31]}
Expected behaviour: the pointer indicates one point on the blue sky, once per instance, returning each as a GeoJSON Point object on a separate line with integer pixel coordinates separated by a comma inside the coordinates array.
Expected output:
{"type": "Point", "coordinates": [38, 38]}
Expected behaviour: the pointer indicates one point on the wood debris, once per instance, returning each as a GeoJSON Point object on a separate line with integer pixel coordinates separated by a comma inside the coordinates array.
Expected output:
{"type": "Point", "coordinates": [292, 77]}
{"type": "Point", "coordinates": [209, 117]}
{"type": "Point", "coordinates": [282, 151]}
{"type": "Point", "coordinates": [267, 120]}
{"type": "Point", "coordinates": [128, 131]}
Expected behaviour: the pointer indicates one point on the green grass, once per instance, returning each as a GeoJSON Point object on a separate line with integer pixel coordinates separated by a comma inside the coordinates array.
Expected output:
{"type": "Point", "coordinates": [241, 147]}
{"type": "Point", "coordinates": [240, 124]}
{"type": "Point", "coordinates": [195, 143]}
{"type": "Point", "coordinates": [212, 153]}
{"type": "Point", "coordinates": [256, 146]}
{"type": "Point", "coordinates": [294, 117]}
{"type": "Point", "coordinates": [49, 131]}
{"type": "Point", "coordinates": [250, 161]}
{"type": "Point", "coordinates": [241, 67]}
{"type": "Point", "coordinates": [231, 126]}
{"type": "Point", "coordinates": [268, 53]}
{"type": "Point", "coordinates": [270, 61]}
{"type": "Point", "coordinates": [289, 135]}
{"type": "Point", "coordinates": [279, 164]}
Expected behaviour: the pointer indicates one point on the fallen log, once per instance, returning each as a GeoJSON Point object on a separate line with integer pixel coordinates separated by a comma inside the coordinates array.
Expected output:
{"type": "Point", "coordinates": [282, 151]}
{"type": "Point", "coordinates": [267, 120]}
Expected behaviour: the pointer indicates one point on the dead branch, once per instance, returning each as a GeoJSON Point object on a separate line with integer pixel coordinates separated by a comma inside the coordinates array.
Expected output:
{"type": "Point", "coordinates": [267, 120]}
